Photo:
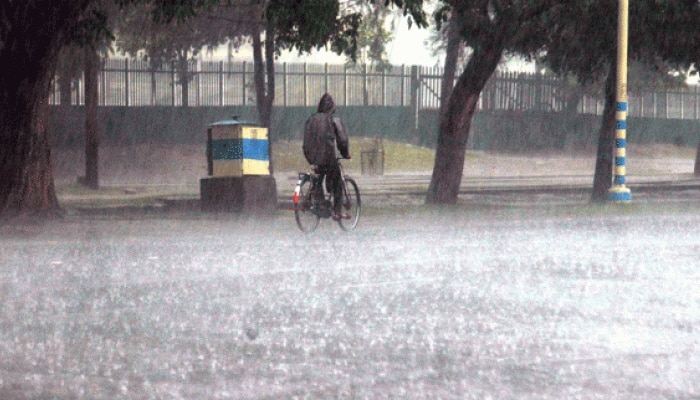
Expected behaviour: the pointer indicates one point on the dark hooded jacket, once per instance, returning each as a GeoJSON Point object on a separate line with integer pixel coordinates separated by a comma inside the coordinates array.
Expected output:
{"type": "Point", "coordinates": [323, 132]}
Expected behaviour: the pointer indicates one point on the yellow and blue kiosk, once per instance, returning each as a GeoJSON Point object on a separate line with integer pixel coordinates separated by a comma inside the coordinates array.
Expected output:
{"type": "Point", "coordinates": [238, 166]}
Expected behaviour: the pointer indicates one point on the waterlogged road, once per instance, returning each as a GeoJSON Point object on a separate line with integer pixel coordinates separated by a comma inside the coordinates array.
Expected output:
{"type": "Point", "coordinates": [515, 304]}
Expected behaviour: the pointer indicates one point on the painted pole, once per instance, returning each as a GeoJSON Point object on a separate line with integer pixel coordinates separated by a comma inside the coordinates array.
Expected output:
{"type": "Point", "coordinates": [619, 191]}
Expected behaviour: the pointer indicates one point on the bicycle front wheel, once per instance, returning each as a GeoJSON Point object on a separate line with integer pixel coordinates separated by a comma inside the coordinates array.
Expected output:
{"type": "Point", "coordinates": [304, 213]}
{"type": "Point", "coordinates": [352, 205]}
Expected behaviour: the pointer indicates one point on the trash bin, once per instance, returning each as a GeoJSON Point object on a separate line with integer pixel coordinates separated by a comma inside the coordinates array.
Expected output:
{"type": "Point", "coordinates": [372, 160]}
{"type": "Point", "coordinates": [238, 167]}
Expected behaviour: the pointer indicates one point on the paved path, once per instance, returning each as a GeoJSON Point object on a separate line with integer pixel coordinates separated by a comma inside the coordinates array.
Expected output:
{"type": "Point", "coordinates": [409, 189]}
{"type": "Point", "coordinates": [434, 304]}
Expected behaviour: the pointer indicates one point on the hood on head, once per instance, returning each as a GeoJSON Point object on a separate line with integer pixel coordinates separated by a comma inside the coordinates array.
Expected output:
{"type": "Point", "coordinates": [326, 105]}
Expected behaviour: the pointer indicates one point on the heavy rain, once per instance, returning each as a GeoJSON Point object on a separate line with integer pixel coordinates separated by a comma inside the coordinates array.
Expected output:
{"type": "Point", "coordinates": [523, 289]}
{"type": "Point", "coordinates": [480, 302]}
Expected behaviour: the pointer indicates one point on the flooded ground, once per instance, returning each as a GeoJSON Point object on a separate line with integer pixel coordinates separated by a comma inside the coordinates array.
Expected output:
{"type": "Point", "coordinates": [473, 302]}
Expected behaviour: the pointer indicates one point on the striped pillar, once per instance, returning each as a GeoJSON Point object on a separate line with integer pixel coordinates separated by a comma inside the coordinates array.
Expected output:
{"type": "Point", "coordinates": [619, 191]}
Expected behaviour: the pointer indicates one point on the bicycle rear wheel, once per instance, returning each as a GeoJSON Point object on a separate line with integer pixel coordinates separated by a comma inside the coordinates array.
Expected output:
{"type": "Point", "coordinates": [352, 205]}
{"type": "Point", "coordinates": [304, 213]}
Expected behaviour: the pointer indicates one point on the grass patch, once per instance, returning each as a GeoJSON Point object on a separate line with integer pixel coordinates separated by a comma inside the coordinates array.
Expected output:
{"type": "Point", "coordinates": [661, 151]}
{"type": "Point", "coordinates": [398, 157]}
{"type": "Point", "coordinates": [78, 196]}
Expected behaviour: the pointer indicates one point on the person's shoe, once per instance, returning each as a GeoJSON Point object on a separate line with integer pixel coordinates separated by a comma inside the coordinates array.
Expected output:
{"type": "Point", "coordinates": [338, 217]}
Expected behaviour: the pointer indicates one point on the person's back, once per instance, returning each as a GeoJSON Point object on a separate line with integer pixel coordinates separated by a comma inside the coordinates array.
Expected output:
{"type": "Point", "coordinates": [324, 132]}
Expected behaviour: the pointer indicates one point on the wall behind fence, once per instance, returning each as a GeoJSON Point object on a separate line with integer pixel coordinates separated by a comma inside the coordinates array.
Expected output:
{"type": "Point", "coordinates": [494, 130]}
{"type": "Point", "coordinates": [126, 125]}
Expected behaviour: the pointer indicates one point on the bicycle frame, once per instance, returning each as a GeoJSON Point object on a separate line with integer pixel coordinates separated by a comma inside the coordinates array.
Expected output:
{"type": "Point", "coordinates": [321, 206]}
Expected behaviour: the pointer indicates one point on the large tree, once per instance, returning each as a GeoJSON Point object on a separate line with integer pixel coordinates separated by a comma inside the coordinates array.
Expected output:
{"type": "Point", "coordinates": [663, 36]}
{"type": "Point", "coordinates": [491, 28]}
{"type": "Point", "coordinates": [32, 34]}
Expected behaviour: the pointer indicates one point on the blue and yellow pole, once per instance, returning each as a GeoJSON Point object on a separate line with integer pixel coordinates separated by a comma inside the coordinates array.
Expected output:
{"type": "Point", "coordinates": [619, 191]}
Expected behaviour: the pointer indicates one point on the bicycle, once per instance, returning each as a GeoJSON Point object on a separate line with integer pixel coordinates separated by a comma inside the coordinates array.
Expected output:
{"type": "Point", "coordinates": [312, 200]}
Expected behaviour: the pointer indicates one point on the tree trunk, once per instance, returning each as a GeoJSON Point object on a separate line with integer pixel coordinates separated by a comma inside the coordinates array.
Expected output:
{"type": "Point", "coordinates": [184, 73]}
{"type": "Point", "coordinates": [455, 122]}
{"type": "Point", "coordinates": [92, 134]}
{"type": "Point", "coordinates": [65, 81]}
{"type": "Point", "coordinates": [265, 82]}
{"type": "Point", "coordinates": [264, 77]}
{"type": "Point", "coordinates": [26, 175]}
{"type": "Point", "coordinates": [454, 42]}
{"type": "Point", "coordinates": [602, 180]}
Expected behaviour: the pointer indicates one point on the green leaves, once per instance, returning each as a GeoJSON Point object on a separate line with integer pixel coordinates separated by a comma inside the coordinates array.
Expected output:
{"type": "Point", "coordinates": [303, 24]}
{"type": "Point", "coordinates": [309, 24]}
{"type": "Point", "coordinates": [168, 10]}
{"type": "Point", "coordinates": [582, 35]}
{"type": "Point", "coordinates": [92, 30]}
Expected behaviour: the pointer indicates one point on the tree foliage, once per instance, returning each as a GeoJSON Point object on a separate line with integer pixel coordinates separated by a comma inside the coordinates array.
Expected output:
{"type": "Point", "coordinates": [663, 35]}
{"type": "Point", "coordinates": [311, 24]}
{"type": "Point", "coordinates": [373, 35]}
{"type": "Point", "coordinates": [159, 40]}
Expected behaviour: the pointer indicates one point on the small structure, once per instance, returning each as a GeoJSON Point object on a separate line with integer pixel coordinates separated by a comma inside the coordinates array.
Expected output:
{"type": "Point", "coordinates": [372, 160]}
{"type": "Point", "coordinates": [238, 166]}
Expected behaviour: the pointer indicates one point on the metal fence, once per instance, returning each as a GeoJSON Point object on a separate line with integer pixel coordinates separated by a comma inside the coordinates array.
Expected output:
{"type": "Point", "coordinates": [129, 82]}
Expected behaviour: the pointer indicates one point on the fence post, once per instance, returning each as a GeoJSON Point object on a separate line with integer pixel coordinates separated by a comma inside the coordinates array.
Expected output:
{"type": "Point", "coordinates": [403, 82]}
{"type": "Point", "coordinates": [384, 87]}
{"type": "Point", "coordinates": [326, 78]}
{"type": "Point", "coordinates": [243, 84]}
{"type": "Point", "coordinates": [305, 84]}
{"type": "Point", "coordinates": [221, 83]}
{"type": "Point", "coordinates": [196, 69]}
{"type": "Point", "coordinates": [154, 86]}
{"type": "Point", "coordinates": [126, 82]}
{"type": "Point", "coordinates": [284, 84]}
{"type": "Point", "coordinates": [103, 79]}
{"type": "Point", "coordinates": [173, 82]}
{"type": "Point", "coordinates": [415, 88]}
{"type": "Point", "coordinates": [365, 95]}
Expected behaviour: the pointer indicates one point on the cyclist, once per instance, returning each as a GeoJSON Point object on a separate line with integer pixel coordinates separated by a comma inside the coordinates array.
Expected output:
{"type": "Point", "coordinates": [323, 132]}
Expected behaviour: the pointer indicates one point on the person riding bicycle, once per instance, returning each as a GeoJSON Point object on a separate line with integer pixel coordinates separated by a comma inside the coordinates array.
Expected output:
{"type": "Point", "coordinates": [323, 132]}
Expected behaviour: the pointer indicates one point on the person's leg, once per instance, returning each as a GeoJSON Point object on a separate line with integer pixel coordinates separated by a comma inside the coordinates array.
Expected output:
{"type": "Point", "coordinates": [321, 176]}
{"type": "Point", "coordinates": [335, 187]}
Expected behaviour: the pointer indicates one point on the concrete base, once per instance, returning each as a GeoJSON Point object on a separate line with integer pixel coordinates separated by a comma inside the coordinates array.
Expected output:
{"type": "Point", "coordinates": [619, 194]}
{"type": "Point", "coordinates": [238, 194]}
